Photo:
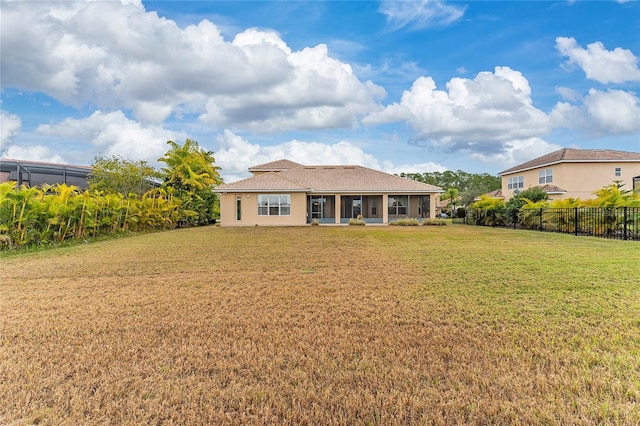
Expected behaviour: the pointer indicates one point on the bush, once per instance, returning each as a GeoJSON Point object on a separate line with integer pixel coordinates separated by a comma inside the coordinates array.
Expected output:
{"type": "Point", "coordinates": [356, 222]}
{"type": "Point", "coordinates": [434, 222]}
{"type": "Point", "coordinates": [315, 222]}
{"type": "Point", "coordinates": [410, 221]}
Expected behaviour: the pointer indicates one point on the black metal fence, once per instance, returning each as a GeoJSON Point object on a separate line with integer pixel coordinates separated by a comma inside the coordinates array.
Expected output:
{"type": "Point", "coordinates": [620, 223]}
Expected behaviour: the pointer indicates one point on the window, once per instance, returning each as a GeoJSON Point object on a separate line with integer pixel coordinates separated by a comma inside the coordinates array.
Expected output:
{"type": "Point", "coordinates": [238, 207]}
{"type": "Point", "coordinates": [274, 205]}
{"type": "Point", "coordinates": [618, 171]}
{"type": "Point", "coordinates": [398, 205]}
{"type": "Point", "coordinates": [516, 182]}
{"type": "Point", "coordinates": [545, 176]}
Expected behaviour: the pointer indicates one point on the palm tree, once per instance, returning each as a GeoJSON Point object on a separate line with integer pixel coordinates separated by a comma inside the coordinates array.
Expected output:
{"type": "Point", "coordinates": [452, 195]}
{"type": "Point", "coordinates": [191, 171]}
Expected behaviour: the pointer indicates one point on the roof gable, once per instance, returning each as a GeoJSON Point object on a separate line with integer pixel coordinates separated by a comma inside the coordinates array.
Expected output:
{"type": "Point", "coordinates": [571, 155]}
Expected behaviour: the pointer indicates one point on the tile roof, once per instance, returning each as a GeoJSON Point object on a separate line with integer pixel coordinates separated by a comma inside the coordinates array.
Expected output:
{"type": "Point", "coordinates": [571, 155]}
{"type": "Point", "coordinates": [552, 189]}
{"type": "Point", "coordinates": [493, 194]}
{"type": "Point", "coordinates": [267, 182]}
{"type": "Point", "coordinates": [275, 166]}
{"type": "Point", "coordinates": [343, 179]}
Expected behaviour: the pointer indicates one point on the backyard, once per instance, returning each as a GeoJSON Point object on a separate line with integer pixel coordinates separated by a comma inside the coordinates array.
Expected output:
{"type": "Point", "coordinates": [323, 325]}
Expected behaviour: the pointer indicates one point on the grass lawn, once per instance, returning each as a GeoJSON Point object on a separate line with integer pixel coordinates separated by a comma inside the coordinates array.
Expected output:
{"type": "Point", "coordinates": [323, 325]}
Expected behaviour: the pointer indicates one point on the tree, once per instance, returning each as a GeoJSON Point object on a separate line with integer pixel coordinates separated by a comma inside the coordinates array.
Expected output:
{"type": "Point", "coordinates": [116, 175]}
{"type": "Point", "coordinates": [469, 185]}
{"type": "Point", "coordinates": [533, 195]}
{"type": "Point", "coordinates": [614, 196]}
{"type": "Point", "coordinates": [192, 173]}
{"type": "Point", "coordinates": [451, 194]}
{"type": "Point", "coordinates": [488, 211]}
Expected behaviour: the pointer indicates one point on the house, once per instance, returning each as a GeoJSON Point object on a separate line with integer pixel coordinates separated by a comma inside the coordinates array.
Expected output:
{"type": "Point", "coordinates": [36, 173]}
{"type": "Point", "coordinates": [287, 193]}
{"type": "Point", "coordinates": [573, 173]}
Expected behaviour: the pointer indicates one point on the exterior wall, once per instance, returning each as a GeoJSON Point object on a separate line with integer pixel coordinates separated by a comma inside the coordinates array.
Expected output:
{"type": "Point", "coordinates": [249, 211]}
{"type": "Point", "coordinates": [580, 180]}
{"type": "Point", "coordinates": [299, 207]}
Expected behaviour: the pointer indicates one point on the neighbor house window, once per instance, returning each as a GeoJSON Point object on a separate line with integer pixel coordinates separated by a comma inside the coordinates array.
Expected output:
{"type": "Point", "coordinates": [545, 176]}
{"type": "Point", "coordinates": [274, 205]}
{"type": "Point", "coordinates": [398, 205]}
{"type": "Point", "coordinates": [618, 171]}
{"type": "Point", "coordinates": [516, 182]}
{"type": "Point", "coordinates": [238, 207]}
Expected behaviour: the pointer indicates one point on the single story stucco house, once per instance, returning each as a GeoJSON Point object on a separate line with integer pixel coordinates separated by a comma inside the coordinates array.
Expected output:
{"type": "Point", "coordinates": [285, 193]}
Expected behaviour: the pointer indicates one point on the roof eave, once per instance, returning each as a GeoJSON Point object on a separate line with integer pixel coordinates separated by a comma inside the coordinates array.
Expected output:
{"type": "Point", "coordinates": [234, 190]}
{"type": "Point", "coordinates": [552, 163]}
{"type": "Point", "coordinates": [311, 191]}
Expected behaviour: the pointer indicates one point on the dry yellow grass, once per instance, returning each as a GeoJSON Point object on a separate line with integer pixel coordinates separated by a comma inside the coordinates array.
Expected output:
{"type": "Point", "coordinates": [331, 326]}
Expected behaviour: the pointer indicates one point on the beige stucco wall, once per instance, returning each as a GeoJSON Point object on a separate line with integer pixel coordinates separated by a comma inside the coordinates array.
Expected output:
{"type": "Point", "coordinates": [298, 216]}
{"type": "Point", "coordinates": [250, 217]}
{"type": "Point", "coordinates": [580, 180]}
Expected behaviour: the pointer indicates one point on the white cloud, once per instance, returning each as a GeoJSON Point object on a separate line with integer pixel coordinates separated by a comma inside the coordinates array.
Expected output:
{"type": "Point", "coordinates": [420, 14]}
{"type": "Point", "coordinates": [611, 112]}
{"type": "Point", "coordinates": [119, 56]}
{"type": "Point", "coordinates": [320, 92]}
{"type": "Point", "coordinates": [33, 153]}
{"type": "Point", "coordinates": [114, 134]}
{"type": "Point", "coordinates": [235, 155]}
{"type": "Point", "coordinates": [517, 152]}
{"type": "Point", "coordinates": [10, 125]}
{"type": "Point", "coordinates": [599, 64]}
{"type": "Point", "coordinates": [474, 114]}
{"type": "Point", "coordinates": [569, 94]}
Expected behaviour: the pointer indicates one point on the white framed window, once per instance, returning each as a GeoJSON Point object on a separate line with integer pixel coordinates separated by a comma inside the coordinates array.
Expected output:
{"type": "Point", "coordinates": [545, 176]}
{"type": "Point", "coordinates": [274, 205]}
{"type": "Point", "coordinates": [238, 207]}
{"type": "Point", "coordinates": [618, 171]}
{"type": "Point", "coordinates": [515, 182]}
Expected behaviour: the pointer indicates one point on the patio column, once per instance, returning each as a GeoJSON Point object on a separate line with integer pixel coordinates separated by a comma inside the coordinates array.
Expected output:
{"type": "Point", "coordinates": [432, 205]}
{"type": "Point", "coordinates": [337, 208]}
{"type": "Point", "coordinates": [385, 208]}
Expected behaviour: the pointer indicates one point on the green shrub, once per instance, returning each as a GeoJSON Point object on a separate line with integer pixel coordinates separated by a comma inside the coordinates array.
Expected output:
{"type": "Point", "coordinates": [356, 222]}
{"type": "Point", "coordinates": [315, 222]}
{"type": "Point", "coordinates": [409, 221]}
{"type": "Point", "coordinates": [434, 222]}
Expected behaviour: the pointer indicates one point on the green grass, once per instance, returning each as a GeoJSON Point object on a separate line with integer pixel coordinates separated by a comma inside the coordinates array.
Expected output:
{"type": "Point", "coordinates": [323, 325]}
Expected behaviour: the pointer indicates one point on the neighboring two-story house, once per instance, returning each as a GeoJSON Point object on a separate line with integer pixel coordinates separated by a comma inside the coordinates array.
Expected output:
{"type": "Point", "coordinates": [573, 173]}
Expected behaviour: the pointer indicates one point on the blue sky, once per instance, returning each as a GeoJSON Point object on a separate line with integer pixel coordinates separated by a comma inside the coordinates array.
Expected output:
{"type": "Point", "coordinates": [413, 86]}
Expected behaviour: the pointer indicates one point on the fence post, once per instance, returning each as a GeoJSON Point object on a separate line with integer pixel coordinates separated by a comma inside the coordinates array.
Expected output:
{"type": "Point", "coordinates": [575, 221]}
{"type": "Point", "coordinates": [625, 223]}
{"type": "Point", "coordinates": [541, 220]}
